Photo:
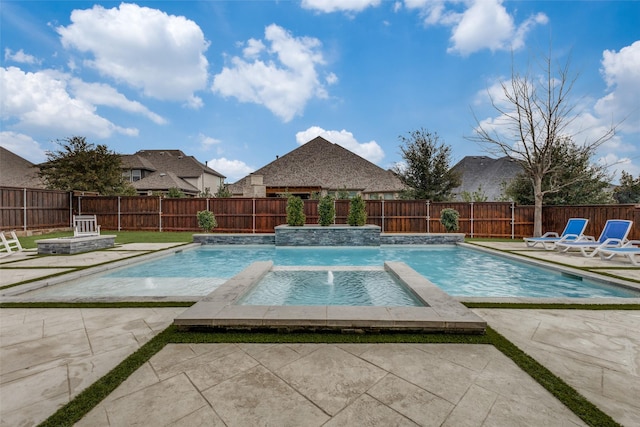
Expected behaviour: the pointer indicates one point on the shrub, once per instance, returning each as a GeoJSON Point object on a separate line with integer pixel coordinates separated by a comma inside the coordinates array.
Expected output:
{"type": "Point", "coordinates": [207, 221]}
{"type": "Point", "coordinates": [175, 193]}
{"type": "Point", "coordinates": [449, 218]}
{"type": "Point", "coordinates": [357, 211]}
{"type": "Point", "coordinates": [326, 211]}
{"type": "Point", "coordinates": [295, 211]}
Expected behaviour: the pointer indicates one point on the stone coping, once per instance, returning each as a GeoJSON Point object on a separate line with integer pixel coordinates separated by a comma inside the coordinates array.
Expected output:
{"type": "Point", "coordinates": [441, 313]}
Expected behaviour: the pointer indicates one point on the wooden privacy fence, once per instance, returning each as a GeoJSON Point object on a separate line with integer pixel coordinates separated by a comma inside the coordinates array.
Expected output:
{"type": "Point", "coordinates": [28, 209]}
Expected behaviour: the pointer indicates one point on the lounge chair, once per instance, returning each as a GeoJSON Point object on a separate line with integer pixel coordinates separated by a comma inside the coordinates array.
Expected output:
{"type": "Point", "coordinates": [629, 250]}
{"type": "Point", "coordinates": [9, 244]}
{"type": "Point", "coordinates": [573, 230]}
{"type": "Point", "coordinates": [614, 235]}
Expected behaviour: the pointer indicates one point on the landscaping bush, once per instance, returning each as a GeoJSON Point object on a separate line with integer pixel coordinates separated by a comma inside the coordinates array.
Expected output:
{"type": "Point", "coordinates": [295, 211]}
{"type": "Point", "coordinates": [449, 218]}
{"type": "Point", "coordinates": [357, 212]}
{"type": "Point", "coordinates": [326, 211]}
{"type": "Point", "coordinates": [207, 221]}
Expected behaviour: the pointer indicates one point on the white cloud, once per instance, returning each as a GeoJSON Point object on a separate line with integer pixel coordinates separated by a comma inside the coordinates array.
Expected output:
{"type": "Point", "coordinates": [368, 150]}
{"type": "Point", "coordinates": [621, 72]}
{"type": "Point", "coordinates": [42, 102]}
{"type": "Point", "coordinates": [232, 169]}
{"type": "Point", "coordinates": [167, 50]}
{"type": "Point", "coordinates": [283, 82]}
{"type": "Point", "coordinates": [330, 6]}
{"type": "Point", "coordinates": [207, 142]}
{"type": "Point", "coordinates": [24, 146]}
{"type": "Point", "coordinates": [20, 57]}
{"type": "Point", "coordinates": [476, 24]}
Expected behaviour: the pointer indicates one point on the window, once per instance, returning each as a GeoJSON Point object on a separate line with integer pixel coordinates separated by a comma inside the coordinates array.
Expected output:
{"type": "Point", "coordinates": [136, 175]}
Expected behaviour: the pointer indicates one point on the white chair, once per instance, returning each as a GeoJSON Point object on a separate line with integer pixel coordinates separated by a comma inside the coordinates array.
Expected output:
{"type": "Point", "coordinates": [10, 244]}
{"type": "Point", "coordinates": [85, 225]}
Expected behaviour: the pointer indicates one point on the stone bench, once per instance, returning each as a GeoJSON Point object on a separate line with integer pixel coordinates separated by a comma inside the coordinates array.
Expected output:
{"type": "Point", "coordinates": [75, 245]}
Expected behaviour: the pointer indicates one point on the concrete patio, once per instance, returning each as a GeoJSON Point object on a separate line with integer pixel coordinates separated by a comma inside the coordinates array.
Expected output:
{"type": "Point", "coordinates": [47, 356]}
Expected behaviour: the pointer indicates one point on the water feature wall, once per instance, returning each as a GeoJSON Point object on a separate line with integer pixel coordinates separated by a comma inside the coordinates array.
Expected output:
{"type": "Point", "coordinates": [337, 235]}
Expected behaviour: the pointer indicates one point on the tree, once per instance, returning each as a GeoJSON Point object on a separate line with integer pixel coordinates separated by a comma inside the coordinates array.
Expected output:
{"type": "Point", "coordinates": [175, 193]}
{"type": "Point", "coordinates": [81, 166]}
{"type": "Point", "coordinates": [535, 118]}
{"type": "Point", "coordinates": [295, 211]}
{"type": "Point", "coordinates": [426, 171]}
{"type": "Point", "coordinates": [476, 196]}
{"type": "Point", "coordinates": [223, 191]}
{"type": "Point", "coordinates": [357, 211]}
{"type": "Point", "coordinates": [587, 183]}
{"type": "Point", "coordinates": [326, 211]}
{"type": "Point", "coordinates": [629, 189]}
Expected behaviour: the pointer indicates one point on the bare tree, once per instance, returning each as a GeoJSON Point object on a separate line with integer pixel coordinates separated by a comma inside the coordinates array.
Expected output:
{"type": "Point", "coordinates": [535, 116]}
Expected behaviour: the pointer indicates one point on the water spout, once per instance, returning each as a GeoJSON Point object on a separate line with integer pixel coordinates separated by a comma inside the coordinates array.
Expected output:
{"type": "Point", "coordinates": [330, 277]}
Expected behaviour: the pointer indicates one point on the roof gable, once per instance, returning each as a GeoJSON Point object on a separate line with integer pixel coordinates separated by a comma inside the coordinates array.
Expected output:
{"type": "Point", "coordinates": [16, 171]}
{"type": "Point", "coordinates": [166, 161]}
{"type": "Point", "coordinates": [486, 173]}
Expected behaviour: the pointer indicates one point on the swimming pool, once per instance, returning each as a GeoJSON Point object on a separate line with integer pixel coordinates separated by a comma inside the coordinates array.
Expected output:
{"type": "Point", "coordinates": [457, 270]}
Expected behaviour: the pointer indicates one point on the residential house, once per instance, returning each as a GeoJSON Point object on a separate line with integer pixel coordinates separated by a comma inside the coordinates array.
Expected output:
{"type": "Point", "coordinates": [485, 175]}
{"type": "Point", "coordinates": [319, 167]}
{"type": "Point", "coordinates": [157, 171]}
{"type": "Point", "coordinates": [16, 171]}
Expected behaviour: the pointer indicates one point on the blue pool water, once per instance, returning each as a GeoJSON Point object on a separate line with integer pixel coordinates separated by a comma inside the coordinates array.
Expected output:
{"type": "Point", "coordinates": [458, 271]}
{"type": "Point", "coordinates": [328, 287]}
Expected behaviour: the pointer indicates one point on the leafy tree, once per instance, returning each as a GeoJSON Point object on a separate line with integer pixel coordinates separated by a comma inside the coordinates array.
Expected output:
{"type": "Point", "coordinates": [535, 115]}
{"type": "Point", "coordinates": [586, 183]}
{"type": "Point", "coordinates": [223, 191]}
{"type": "Point", "coordinates": [629, 189]}
{"type": "Point", "coordinates": [206, 193]}
{"type": "Point", "coordinates": [81, 166]}
{"type": "Point", "coordinates": [175, 193]}
{"type": "Point", "coordinates": [326, 211]}
{"type": "Point", "coordinates": [207, 221]}
{"type": "Point", "coordinates": [476, 196]}
{"type": "Point", "coordinates": [295, 211]}
{"type": "Point", "coordinates": [449, 219]}
{"type": "Point", "coordinates": [427, 172]}
{"type": "Point", "coordinates": [357, 211]}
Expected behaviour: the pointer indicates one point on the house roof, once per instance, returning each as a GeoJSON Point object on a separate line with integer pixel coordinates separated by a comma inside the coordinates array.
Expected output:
{"type": "Point", "coordinates": [486, 173]}
{"type": "Point", "coordinates": [16, 171]}
{"type": "Point", "coordinates": [174, 161]}
{"type": "Point", "coordinates": [320, 163]}
{"type": "Point", "coordinates": [163, 181]}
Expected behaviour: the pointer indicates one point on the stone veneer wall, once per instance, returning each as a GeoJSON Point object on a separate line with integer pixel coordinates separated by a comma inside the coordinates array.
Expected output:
{"type": "Point", "coordinates": [316, 235]}
{"type": "Point", "coordinates": [235, 239]}
{"type": "Point", "coordinates": [422, 239]}
{"type": "Point", "coordinates": [75, 245]}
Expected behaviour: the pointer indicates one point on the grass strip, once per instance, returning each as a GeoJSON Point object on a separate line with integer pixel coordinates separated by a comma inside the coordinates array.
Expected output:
{"type": "Point", "coordinates": [587, 411]}
{"type": "Point", "coordinates": [551, 306]}
{"type": "Point", "coordinates": [121, 304]}
{"type": "Point", "coordinates": [84, 402]}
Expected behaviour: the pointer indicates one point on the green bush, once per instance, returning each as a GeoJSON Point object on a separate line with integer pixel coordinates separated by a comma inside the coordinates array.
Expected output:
{"type": "Point", "coordinates": [175, 193]}
{"type": "Point", "coordinates": [357, 211]}
{"type": "Point", "coordinates": [295, 211]}
{"type": "Point", "coordinates": [326, 211]}
{"type": "Point", "coordinates": [449, 218]}
{"type": "Point", "coordinates": [207, 221]}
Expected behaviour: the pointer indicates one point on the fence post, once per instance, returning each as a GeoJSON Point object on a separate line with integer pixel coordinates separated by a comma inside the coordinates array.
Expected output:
{"type": "Point", "coordinates": [119, 228]}
{"type": "Point", "coordinates": [24, 210]}
{"type": "Point", "coordinates": [253, 215]}
{"type": "Point", "coordinates": [428, 216]}
{"type": "Point", "coordinates": [383, 215]}
{"type": "Point", "coordinates": [513, 220]}
{"type": "Point", "coordinates": [79, 205]}
{"type": "Point", "coordinates": [160, 213]}
{"type": "Point", "coordinates": [70, 208]}
{"type": "Point", "coordinates": [471, 219]}
{"type": "Point", "coordinates": [208, 203]}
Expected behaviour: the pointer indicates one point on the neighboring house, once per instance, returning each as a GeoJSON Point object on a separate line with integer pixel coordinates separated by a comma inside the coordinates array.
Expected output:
{"type": "Point", "coordinates": [18, 172]}
{"type": "Point", "coordinates": [156, 171]}
{"type": "Point", "coordinates": [319, 167]}
{"type": "Point", "coordinates": [485, 175]}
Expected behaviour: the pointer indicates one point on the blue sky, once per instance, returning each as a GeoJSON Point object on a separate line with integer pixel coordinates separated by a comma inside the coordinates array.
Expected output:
{"type": "Point", "coordinates": [236, 83]}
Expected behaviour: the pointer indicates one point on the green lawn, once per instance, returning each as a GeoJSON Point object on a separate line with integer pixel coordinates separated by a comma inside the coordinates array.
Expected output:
{"type": "Point", "coordinates": [121, 237]}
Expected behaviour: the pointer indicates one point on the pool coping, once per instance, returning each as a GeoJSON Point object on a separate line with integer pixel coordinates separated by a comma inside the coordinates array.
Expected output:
{"type": "Point", "coordinates": [442, 313]}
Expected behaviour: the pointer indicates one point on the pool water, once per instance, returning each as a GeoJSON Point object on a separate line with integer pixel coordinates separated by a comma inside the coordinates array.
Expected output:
{"type": "Point", "coordinates": [318, 287]}
{"type": "Point", "coordinates": [458, 271]}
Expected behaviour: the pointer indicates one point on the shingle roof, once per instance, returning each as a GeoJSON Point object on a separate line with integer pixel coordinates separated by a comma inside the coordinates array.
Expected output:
{"type": "Point", "coordinates": [487, 173]}
{"type": "Point", "coordinates": [163, 181]}
{"type": "Point", "coordinates": [167, 161]}
{"type": "Point", "coordinates": [18, 172]}
{"type": "Point", "coordinates": [320, 163]}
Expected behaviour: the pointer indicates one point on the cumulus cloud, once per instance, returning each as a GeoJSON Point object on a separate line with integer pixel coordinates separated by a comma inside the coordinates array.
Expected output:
{"type": "Point", "coordinates": [23, 145]}
{"type": "Point", "coordinates": [283, 76]}
{"type": "Point", "coordinates": [621, 72]}
{"type": "Point", "coordinates": [329, 6]}
{"type": "Point", "coordinates": [232, 169]}
{"type": "Point", "coordinates": [55, 103]}
{"type": "Point", "coordinates": [20, 57]}
{"type": "Point", "coordinates": [207, 142]}
{"type": "Point", "coordinates": [368, 150]}
{"type": "Point", "coordinates": [160, 54]}
{"type": "Point", "coordinates": [476, 24]}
